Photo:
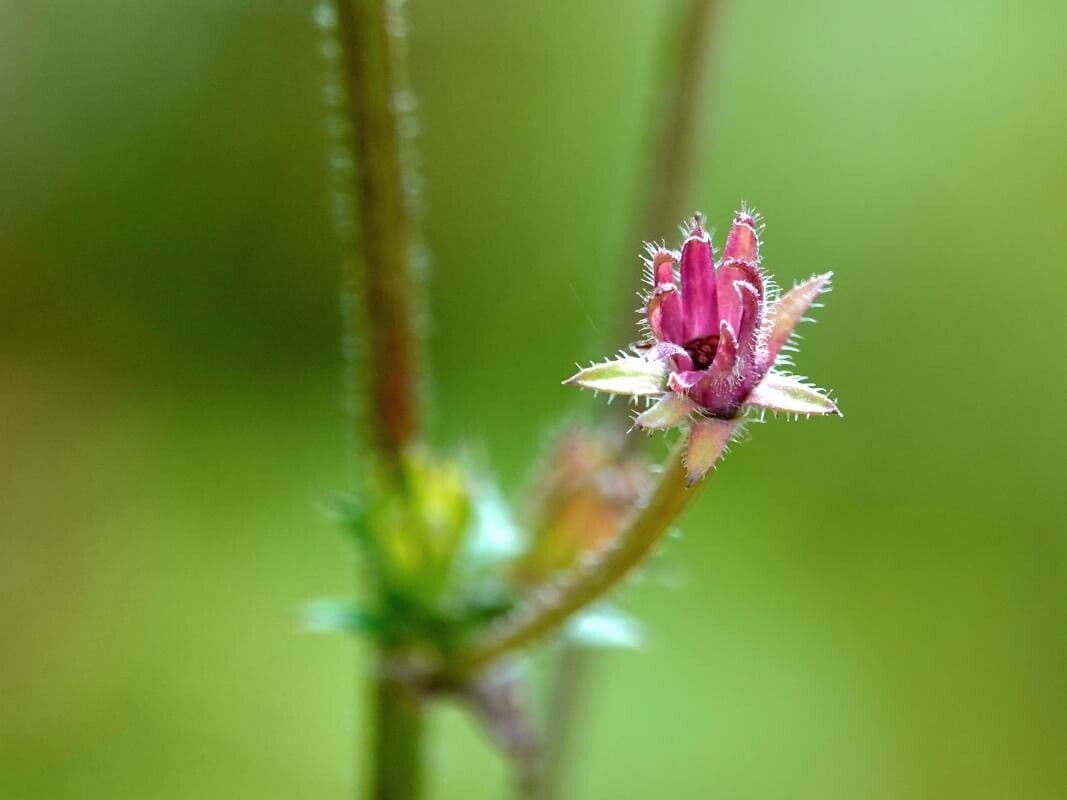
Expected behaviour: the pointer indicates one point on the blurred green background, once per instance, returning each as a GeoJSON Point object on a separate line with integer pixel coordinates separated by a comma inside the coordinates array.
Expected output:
{"type": "Point", "coordinates": [868, 608]}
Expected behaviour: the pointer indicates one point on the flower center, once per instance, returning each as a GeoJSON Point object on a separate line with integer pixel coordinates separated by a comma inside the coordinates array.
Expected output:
{"type": "Point", "coordinates": [702, 350]}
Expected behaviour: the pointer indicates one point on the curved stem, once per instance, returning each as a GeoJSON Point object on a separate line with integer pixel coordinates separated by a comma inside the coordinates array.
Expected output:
{"type": "Point", "coordinates": [553, 604]}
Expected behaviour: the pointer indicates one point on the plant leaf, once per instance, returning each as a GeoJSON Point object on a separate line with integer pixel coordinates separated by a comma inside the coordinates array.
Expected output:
{"type": "Point", "coordinates": [626, 375]}
{"type": "Point", "coordinates": [786, 393]}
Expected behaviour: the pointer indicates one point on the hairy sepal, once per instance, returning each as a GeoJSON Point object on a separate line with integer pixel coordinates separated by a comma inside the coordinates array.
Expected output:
{"type": "Point", "coordinates": [708, 438]}
{"type": "Point", "coordinates": [668, 411]}
{"type": "Point", "coordinates": [790, 309]}
{"type": "Point", "coordinates": [629, 375]}
{"type": "Point", "coordinates": [788, 394]}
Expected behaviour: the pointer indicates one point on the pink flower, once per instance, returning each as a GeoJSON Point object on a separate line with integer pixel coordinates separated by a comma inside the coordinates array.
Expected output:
{"type": "Point", "coordinates": [717, 335]}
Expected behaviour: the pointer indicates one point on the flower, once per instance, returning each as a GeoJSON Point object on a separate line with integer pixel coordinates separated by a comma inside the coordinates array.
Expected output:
{"type": "Point", "coordinates": [717, 335]}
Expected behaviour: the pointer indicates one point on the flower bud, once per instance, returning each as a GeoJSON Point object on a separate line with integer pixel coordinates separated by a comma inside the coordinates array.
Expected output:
{"type": "Point", "coordinates": [589, 486]}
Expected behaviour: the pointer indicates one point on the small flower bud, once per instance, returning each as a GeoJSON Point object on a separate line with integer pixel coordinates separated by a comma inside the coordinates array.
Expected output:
{"type": "Point", "coordinates": [588, 487]}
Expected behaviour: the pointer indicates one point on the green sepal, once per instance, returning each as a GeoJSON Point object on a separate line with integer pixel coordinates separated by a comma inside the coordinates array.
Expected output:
{"type": "Point", "coordinates": [788, 394]}
{"type": "Point", "coordinates": [629, 375]}
{"type": "Point", "coordinates": [708, 438]}
{"type": "Point", "coordinates": [669, 410]}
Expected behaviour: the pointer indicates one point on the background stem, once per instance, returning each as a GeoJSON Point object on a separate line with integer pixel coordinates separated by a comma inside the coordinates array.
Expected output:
{"type": "Point", "coordinates": [686, 46]}
{"type": "Point", "coordinates": [685, 49]}
{"type": "Point", "coordinates": [397, 738]}
{"type": "Point", "coordinates": [572, 668]}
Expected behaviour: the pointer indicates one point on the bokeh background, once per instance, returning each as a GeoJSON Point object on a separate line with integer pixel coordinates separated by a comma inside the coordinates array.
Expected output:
{"type": "Point", "coordinates": [870, 608]}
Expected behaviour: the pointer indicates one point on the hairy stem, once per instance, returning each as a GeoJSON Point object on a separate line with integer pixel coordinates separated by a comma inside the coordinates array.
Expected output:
{"type": "Point", "coordinates": [380, 270]}
{"type": "Point", "coordinates": [553, 604]}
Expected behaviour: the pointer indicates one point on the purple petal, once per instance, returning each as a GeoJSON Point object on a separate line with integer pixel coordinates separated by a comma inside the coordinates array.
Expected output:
{"type": "Point", "coordinates": [752, 360]}
{"type": "Point", "coordinates": [698, 285]}
{"type": "Point", "coordinates": [790, 309]}
{"type": "Point", "coordinates": [664, 310]}
{"type": "Point", "coordinates": [730, 302]}
{"type": "Point", "coordinates": [663, 266]}
{"type": "Point", "coordinates": [788, 394]}
{"type": "Point", "coordinates": [726, 354]}
{"type": "Point", "coordinates": [685, 380]}
{"type": "Point", "coordinates": [743, 242]}
{"type": "Point", "coordinates": [707, 441]}
{"type": "Point", "coordinates": [664, 314]}
{"type": "Point", "coordinates": [668, 350]}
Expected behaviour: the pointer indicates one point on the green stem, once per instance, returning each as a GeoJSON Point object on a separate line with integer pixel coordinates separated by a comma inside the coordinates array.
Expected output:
{"type": "Point", "coordinates": [555, 603]}
{"type": "Point", "coordinates": [399, 713]}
